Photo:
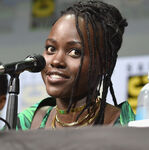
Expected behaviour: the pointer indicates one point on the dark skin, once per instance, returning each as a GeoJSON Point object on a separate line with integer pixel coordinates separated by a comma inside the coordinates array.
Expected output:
{"type": "Point", "coordinates": [63, 56]}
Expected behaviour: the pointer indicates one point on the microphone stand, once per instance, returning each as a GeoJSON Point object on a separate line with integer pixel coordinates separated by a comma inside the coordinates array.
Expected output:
{"type": "Point", "coordinates": [34, 64]}
{"type": "Point", "coordinates": [12, 106]}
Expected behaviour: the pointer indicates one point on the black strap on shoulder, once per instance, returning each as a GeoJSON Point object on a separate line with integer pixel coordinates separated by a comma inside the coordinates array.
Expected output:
{"type": "Point", "coordinates": [50, 101]}
{"type": "Point", "coordinates": [41, 111]}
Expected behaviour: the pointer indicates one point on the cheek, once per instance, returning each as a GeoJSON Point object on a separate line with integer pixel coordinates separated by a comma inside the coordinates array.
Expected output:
{"type": "Point", "coordinates": [85, 66]}
{"type": "Point", "coordinates": [84, 73]}
{"type": "Point", "coordinates": [48, 61]}
{"type": "Point", "coordinates": [43, 72]}
{"type": "Point", "coordinates": [47, 58]}
{"type": "Point", "coordinates": [73, 65]}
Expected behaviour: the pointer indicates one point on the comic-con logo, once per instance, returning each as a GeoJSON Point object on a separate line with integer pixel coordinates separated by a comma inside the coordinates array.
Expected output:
{"type": "Point", "coordinates": [42, 8]}
{"type": "Point", "coordinates": [135, 83]}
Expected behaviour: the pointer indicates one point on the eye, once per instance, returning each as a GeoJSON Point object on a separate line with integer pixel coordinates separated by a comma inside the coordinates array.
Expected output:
{"type": "Point", "coordinates": [50, 49]}
{"type": "Point", "coordinates": [75, 53]}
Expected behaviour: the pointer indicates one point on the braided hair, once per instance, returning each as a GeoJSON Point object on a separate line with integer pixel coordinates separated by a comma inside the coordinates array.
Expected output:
{"type": "Point", "coordinates": [106, 19]}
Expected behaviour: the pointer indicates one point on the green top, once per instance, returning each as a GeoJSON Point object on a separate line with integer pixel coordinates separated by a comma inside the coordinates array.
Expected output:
{"type": "Point", "coordinates": [25, 118]}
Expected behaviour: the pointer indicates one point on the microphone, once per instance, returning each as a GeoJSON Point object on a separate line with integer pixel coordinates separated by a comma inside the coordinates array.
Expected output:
{"type": "Point", "coordinates": [31, 63]}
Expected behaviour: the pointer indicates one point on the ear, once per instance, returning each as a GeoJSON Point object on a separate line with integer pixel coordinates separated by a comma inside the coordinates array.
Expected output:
{"type": "Point", "coordinates": [2, 101]}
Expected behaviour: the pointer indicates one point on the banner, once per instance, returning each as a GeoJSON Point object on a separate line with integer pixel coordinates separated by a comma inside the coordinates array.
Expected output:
{"type": "Point", "coordinates": [42, 11]}
{"type": "Point", "coordinates": [135, 83]}
{"type": "Point", "coordinates": [129, 76]}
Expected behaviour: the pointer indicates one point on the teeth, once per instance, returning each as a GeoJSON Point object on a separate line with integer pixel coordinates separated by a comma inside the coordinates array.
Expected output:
{"type": "Point", "coordinates": [56, 76]}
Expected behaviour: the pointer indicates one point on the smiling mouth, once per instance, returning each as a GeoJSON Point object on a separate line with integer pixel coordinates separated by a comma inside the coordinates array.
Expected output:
{"type": "Point", "coordinates": [56, 77]}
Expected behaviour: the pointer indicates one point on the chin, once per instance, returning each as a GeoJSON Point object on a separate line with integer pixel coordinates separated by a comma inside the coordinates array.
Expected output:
{"type": "Point", "coordinates": [56, 93]}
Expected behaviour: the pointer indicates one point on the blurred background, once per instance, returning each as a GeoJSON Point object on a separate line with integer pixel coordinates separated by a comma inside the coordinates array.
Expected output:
{"type": "Point", "coordinates": [25, 24]}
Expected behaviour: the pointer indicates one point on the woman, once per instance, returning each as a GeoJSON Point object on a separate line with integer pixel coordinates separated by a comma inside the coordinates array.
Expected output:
{"type": "Point", "coordinates": [80, 53]}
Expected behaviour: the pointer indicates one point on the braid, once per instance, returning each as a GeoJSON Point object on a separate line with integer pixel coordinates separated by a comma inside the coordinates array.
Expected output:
{"type": "Point", "coordinates": [108, 28]}
{"type": "Point", "coordinates": [89, 96]}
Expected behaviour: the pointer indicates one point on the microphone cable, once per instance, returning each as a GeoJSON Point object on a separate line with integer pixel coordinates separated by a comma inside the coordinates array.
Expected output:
{"type": "Point", "coordinates": [6, 123]}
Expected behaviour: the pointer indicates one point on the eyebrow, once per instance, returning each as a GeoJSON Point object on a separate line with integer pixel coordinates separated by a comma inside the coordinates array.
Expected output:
{"type": "Point", "coordinates": [74, 42]}
{"type": "Point", "coordinates": [52, 40]}
{"type": "Point", "coordinates": [69, 42]}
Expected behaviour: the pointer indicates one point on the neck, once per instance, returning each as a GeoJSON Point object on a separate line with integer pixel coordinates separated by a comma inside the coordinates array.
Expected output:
{"type": "Point", "coordinates": [63, 103]}
{"type": "Point", "coordinates": [72, 115]}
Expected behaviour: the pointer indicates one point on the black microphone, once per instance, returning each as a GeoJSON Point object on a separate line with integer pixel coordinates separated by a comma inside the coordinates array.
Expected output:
{"type": "Point", "coordinates": [31, 63]}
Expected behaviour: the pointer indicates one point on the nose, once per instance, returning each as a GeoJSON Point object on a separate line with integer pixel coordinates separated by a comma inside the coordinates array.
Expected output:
{"type": "Point", "coordinates": [58, 60]}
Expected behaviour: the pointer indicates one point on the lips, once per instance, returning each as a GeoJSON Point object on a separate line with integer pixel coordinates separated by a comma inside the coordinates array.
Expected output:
{"type": "Point", "coordinates": [57, 77]}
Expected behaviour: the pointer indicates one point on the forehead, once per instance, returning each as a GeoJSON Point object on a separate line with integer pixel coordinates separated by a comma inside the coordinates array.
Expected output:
{"type": "Point", "coordinates": [66, 25]}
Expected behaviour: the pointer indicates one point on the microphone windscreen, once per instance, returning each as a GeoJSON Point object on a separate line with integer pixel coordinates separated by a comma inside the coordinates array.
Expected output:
{"type": "Point", "coordinates": [40, 63]}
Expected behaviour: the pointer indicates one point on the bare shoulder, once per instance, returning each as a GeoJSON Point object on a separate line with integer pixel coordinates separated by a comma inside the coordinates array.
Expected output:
{"type": "Point", "coordinates": [111, 114]}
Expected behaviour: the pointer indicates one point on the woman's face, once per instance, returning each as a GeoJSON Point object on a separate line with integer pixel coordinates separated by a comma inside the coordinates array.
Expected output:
{"type": "Point", "coordinates": [63, 56]}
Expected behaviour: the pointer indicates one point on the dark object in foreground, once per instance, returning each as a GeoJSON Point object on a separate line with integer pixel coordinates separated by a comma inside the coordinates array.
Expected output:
{"type": "Point", "coordinates": [104, 138]}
